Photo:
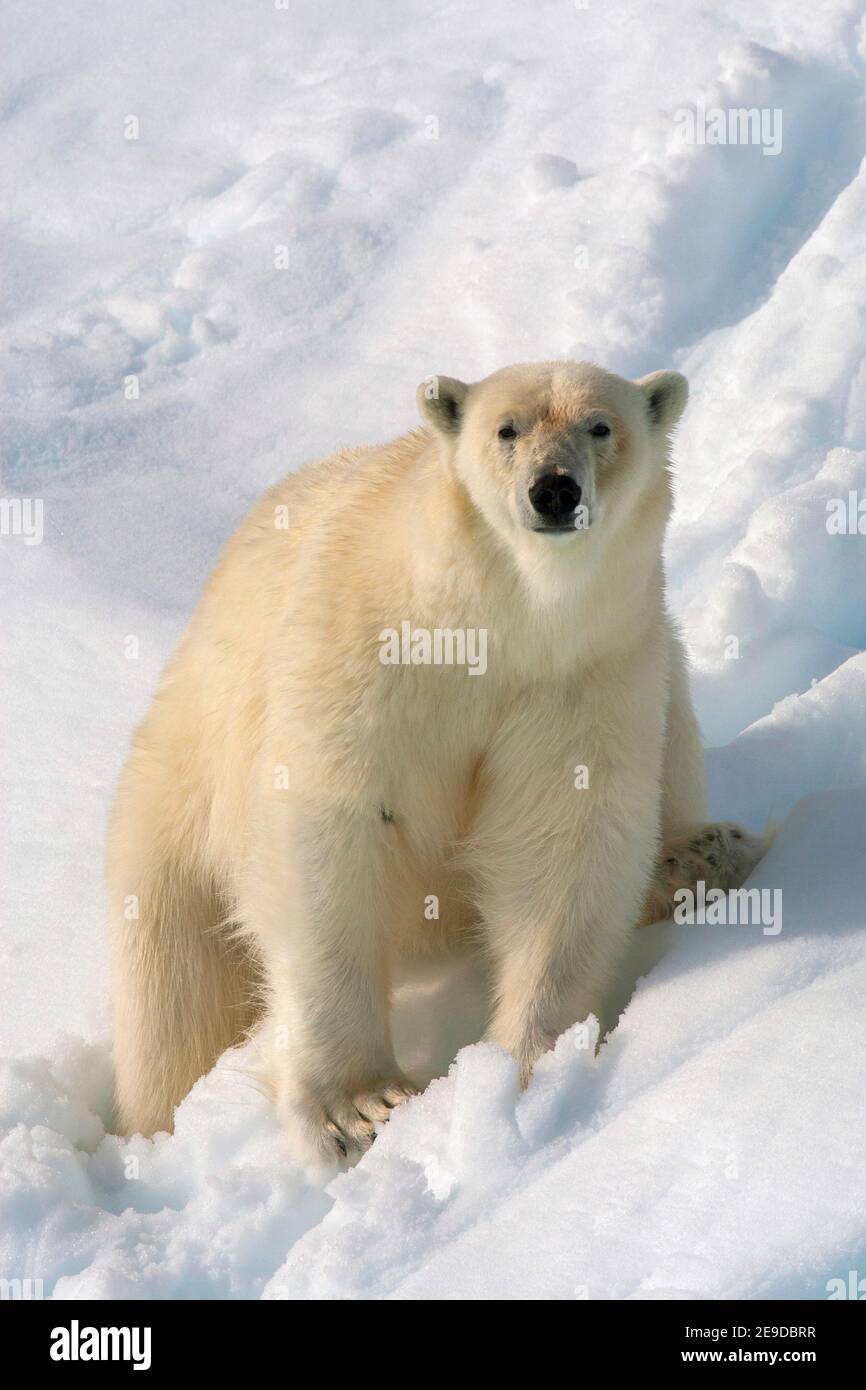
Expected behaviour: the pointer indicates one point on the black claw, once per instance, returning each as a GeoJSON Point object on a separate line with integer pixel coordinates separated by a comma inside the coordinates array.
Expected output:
{"type": "Point", "coordinates": [338, 1136]}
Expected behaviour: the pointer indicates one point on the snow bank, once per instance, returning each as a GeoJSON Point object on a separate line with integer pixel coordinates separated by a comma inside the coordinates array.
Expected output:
{"type": "Point", "coordinates": [238, 237]}
{"type": "Point", "coordinates": [713, 1149]}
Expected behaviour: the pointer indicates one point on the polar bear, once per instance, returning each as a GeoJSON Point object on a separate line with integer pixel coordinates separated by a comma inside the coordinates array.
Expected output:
{"type": "Point", "coordinates": [331, 777]}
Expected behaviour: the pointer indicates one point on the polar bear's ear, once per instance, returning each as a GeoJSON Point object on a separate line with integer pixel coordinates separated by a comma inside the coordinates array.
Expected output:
{"type": "Point", "coordinates": [666, 394]}
{"type": "Point", "coordinates": [440, 402]}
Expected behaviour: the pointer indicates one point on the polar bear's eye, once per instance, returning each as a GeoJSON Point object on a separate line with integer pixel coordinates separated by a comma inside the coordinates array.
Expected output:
{"type": "Point", "coordinates": [600, 431]}
{"type": "Point", "coordinates": [507, 432]}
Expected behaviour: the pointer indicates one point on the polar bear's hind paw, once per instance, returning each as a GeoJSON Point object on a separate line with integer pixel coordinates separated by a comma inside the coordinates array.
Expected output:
{"type": "Point", "coordinates": [721, 855]}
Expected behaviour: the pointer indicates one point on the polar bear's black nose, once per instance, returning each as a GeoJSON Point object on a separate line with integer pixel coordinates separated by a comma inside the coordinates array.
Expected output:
{"type": "Point", "coordinates": [555, 495]}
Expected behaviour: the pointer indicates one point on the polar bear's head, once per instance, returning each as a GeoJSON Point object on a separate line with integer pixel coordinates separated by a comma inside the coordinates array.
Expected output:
{"type": "Point", "coordinates": [550, 450]}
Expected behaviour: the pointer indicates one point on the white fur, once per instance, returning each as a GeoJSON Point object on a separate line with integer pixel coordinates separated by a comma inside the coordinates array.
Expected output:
{"type": "Point", "coordinates": [300, 897]}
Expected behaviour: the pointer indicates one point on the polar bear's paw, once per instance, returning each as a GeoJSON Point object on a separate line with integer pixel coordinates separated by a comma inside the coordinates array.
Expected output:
{"type": "Point", "coordinates": [343, 1127]}
{"type": "Point", "coordinates": [721, 855]}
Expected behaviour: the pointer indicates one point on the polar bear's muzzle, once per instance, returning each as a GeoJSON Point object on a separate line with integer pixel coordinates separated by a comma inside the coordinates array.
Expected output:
{"type": "Point", "coordinates": [555, 498]}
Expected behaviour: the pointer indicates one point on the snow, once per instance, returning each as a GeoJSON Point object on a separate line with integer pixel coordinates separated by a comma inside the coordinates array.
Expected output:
{"type": "Point", "coordinates": [449, 189]}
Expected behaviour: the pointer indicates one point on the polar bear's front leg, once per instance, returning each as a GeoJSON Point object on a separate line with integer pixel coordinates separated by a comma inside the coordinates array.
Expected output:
{"type": "Point", "coordinates": [563, 848]}
{"type": "Point", "coordinates": [316, 906]}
